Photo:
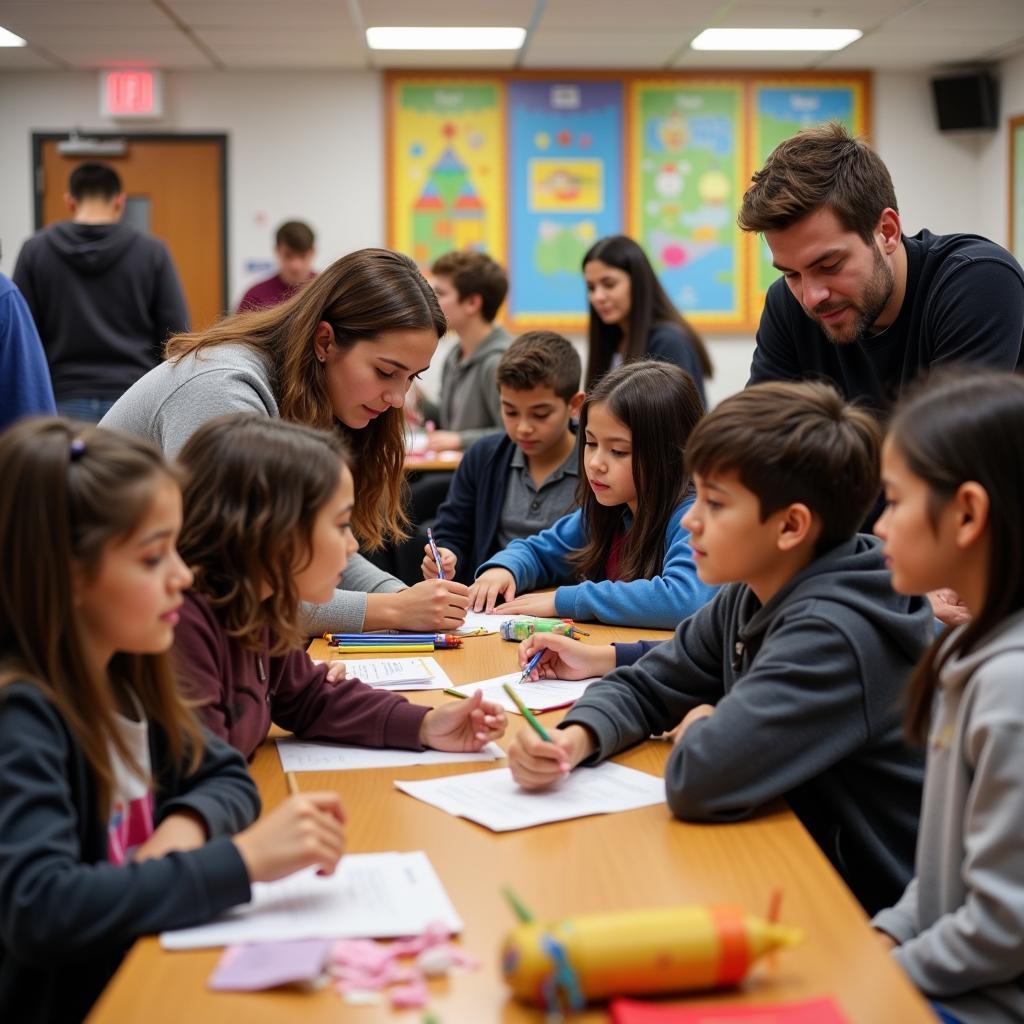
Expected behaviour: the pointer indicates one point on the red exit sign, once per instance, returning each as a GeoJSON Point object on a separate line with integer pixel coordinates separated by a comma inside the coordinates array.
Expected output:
{"type": "Point", "coordinates": [131, 94]}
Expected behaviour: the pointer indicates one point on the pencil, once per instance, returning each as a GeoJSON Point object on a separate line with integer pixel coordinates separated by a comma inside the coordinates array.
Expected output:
{"type": "Point", "coordinates": [293, 783]}
{"type": "Point", "coordinates": [526, 712]}
{"type": "Point", "coordinates": [454, 693]}
{"type": "Point", "coordinates": [384, 648]}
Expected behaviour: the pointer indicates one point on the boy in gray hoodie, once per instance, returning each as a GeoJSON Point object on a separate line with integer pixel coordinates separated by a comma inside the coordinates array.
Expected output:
{"type": "Point", "coordinates": [789, 682]}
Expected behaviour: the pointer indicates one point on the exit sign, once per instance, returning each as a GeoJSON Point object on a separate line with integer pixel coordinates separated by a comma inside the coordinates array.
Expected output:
{"type": "Point", "coordinates": [130, 94]}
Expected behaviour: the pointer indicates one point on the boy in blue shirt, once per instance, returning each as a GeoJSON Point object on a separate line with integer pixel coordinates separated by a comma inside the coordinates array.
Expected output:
{"type": "Point", "coordinates": [790, 681]}
{"type": "Point", "coordinates": [517, 483]}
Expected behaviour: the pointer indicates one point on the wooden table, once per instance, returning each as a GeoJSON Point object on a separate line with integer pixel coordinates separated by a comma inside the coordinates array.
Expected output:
{"type": "Point", "coordinates": [432, 462]}
{"type": "Point", "coordinates": [635, 859]}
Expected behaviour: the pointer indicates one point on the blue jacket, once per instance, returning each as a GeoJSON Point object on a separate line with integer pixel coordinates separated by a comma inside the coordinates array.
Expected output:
{"type": "Point", "coordinates": [661, 602]}
{"type": "Point", "coordinates": [25, 387]}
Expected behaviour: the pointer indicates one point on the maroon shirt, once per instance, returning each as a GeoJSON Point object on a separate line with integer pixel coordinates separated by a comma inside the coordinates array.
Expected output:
{"type": "Point", "coordinates": [241, 691]}
{"type": "Point", "coordinates": [271, 292]}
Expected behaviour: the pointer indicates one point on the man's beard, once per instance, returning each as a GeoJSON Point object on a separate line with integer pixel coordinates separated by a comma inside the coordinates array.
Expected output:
{"type": "Point", "coordinates": [877, 293]}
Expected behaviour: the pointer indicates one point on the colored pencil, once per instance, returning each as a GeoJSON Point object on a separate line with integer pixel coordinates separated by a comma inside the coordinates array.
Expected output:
{"type": "Point", "coordinates": [526, 713]}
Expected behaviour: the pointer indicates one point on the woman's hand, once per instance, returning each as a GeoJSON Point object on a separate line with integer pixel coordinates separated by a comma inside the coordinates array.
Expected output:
{"type": "Point", "coordinates": [565, 658]}
{"type": "Point", "coordinates": [464, 726]}
{"type": "Point", "coordinates": [488, 587]}
{"type": "Point", "coordinates": [307, 829]}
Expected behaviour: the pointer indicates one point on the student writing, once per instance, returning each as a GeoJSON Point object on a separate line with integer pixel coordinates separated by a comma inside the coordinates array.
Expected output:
{"type": "Point", "coordinates": [517, 483]}
{"type": "Point", "coordinates": [788, 682]}
{"type": "Point", "coordinates": [624, 556]}
{"type": "Point", "coordinates": [268, 524]}
{"type": "Point", "coordinates": [119, 815]}
{"type": "Point", "coordinates": [954, 483]}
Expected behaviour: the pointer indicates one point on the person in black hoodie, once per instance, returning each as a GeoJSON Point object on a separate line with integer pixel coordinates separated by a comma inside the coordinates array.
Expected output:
{"type": "Point", "coordinates": [104, 297]}
{"type": "Point", "coordinates": [789, 682]}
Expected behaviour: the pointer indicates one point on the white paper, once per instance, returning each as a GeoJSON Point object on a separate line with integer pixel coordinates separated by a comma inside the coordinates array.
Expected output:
{"type": "Point", "coordinates": [488, 623]}
{"type": "Point", "coordinates": [397, 673]}
{"type": "Point", "coordinates": [543, 695]}
{"type": "Point", "coordinates": [300, 756]}
{"type": "Point", "coordinates": [494, 800]}
{"type": "Point", "coordinates": [371, 895]}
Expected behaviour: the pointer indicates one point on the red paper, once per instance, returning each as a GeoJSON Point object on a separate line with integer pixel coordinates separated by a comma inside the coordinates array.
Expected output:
{"type": "Point", "coordinates": [811, 1011]}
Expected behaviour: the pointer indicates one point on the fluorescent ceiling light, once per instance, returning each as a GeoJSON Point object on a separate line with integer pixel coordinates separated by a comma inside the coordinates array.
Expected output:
{"type": "Point", "coordinates": [775, 38]}
{"type": "Point", "coordinates": [8, 38]}
{"type": "Point", "coordinates": [435, 38]}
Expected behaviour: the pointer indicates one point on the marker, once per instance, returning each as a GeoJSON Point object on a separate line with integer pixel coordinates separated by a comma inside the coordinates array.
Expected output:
{"type": "Point", "coordinates": [435, 553]}
{"type": "Point", "coordinates": [526, 712]}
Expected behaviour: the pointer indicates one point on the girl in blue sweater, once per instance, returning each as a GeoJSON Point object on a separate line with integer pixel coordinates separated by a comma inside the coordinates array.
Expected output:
{"type": "Point", "coordinates": [623, 557]}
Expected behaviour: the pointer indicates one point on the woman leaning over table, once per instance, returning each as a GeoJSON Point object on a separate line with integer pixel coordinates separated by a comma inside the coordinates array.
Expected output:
{"type": "Point", "coordinates": [341, 353]}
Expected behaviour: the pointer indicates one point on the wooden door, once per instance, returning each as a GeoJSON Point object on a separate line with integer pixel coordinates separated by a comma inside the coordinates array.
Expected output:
{"type": "Point", "coordinates": [175, 190]}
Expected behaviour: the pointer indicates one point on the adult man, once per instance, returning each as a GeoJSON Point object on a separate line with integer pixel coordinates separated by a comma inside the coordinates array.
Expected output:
{"type": "Point", "coordinates": [294, 250]}
{"type": "Point", "coordinates": [860, 303]}
{"type": "Point", "coordinates": [104, 296]}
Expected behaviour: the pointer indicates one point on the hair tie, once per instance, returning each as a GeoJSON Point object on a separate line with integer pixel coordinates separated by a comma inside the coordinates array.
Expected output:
{"type": "Point", "coordinates": [77, 449]}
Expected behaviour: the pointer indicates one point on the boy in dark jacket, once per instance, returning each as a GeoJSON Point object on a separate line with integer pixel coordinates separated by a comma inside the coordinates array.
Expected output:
{"type": "Point", "coordinates": [789, 682]}
{"type": "Point", "coordinates": [521, 482]}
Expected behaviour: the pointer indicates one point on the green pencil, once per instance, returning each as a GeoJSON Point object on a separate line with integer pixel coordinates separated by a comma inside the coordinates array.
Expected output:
{"type": "Point", "coordinates": [526, 712]}
{"type": "Point", "coordinates": [519, 908]}
{"type": "Point", "coordinates": [454, 693]}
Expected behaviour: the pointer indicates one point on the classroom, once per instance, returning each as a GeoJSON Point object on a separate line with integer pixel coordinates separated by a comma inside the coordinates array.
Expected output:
{"type": "Point", "coordinates": [512, 522]}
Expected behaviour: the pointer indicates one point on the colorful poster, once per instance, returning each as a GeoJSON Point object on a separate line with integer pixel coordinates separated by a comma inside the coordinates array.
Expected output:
{"type": "Point", "coordinates": [685, 175]}
{"type": "Point", "coordinates": [1017, 187]}
{"type": "Point", "coordinates": [781, 109]}
{"type": "Point", "coordinates": [565, 192]}
{"type": "Point", "coordinates": [447, 167]}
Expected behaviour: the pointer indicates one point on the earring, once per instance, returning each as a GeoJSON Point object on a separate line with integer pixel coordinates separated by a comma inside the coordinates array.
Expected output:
{"type": "Point", "coordinates": [321, 358]}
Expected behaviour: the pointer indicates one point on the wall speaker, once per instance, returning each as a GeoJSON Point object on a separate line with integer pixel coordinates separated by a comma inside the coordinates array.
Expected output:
{"type": "Point", "coordinates": [966, 102]}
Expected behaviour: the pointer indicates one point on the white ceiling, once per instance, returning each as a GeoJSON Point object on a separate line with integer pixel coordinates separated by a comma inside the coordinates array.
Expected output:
{"type": "Point", "coordinates": [596, 34]}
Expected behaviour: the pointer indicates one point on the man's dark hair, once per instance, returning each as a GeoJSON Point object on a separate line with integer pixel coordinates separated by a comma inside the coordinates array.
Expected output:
{"type": "Point", "coordinates": [94, 181]}
{"type": "Point", "coordinates": [296, 235]}
{"type": "Point", "coordinates": [819, 168]}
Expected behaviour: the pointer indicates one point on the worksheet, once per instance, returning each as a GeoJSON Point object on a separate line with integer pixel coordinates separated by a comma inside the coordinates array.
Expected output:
{"type": "Point", "coordinates": [302, 756]}
{"type": "Point", "coordinates": [397, 673]}
{"type": "Point", "coordinates": [371, 895]}
{"type": "Point", "coordinates": [477, 622]}
{"type": "Point", "coordinates": [494, 800]}
{"type": "Point", "coordinates": [543, 695]}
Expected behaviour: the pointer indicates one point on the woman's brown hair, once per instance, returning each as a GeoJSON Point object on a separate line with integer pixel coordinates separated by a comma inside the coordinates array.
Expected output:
{"type": "Point", "coordinates": [70, 490]}
{"type": "Point", "coordinates": [649, 305]}
{"type": "Point", "coordinates": [957, 429]}
{"type": "Point", "coordinates": [361, 295]}
{"type": "Point", "coordinates": [253, 488]}
{"type": "Point", "coordinates": [660, 405]}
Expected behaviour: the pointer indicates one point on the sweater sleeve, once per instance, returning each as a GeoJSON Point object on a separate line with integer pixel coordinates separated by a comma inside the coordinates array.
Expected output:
{"type": "Point", "coordinates": [346, 611]}
{"type": "Point", "coordinates": [25, 387]}
{"type": "Point", "coordinates": [652, 695]}
{"type": "Point", "coordinates": [201, 669]}
{"type": "Point", "coordinates": [775, 356]}
{"type": "Point", "coordinates": [978, 945]}
{"type": "Point", "coordinates": [55, 907]}
{"type": "Point", "coordinates": [541, 560]}
{"type": "Point", "coordinates": [976, 316]}
{"type": "Point", "coordinates": [901, 921]}
{"type": "Point", "coordinates": [661, 602]}
{"type": "Point", "coordinates": [305, 703]}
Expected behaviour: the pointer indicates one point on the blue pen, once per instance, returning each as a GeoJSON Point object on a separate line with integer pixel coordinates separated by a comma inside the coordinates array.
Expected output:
{"type": "Point", "coordinates": [435, 553]}
{"type": "Point", "coordinates": [530, 666]}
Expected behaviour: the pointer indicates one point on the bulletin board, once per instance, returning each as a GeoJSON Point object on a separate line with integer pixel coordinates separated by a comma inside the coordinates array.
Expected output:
{"type": "Point", "coordinates": [534, 167]}
{"type": "Point", "coordinates": [1015, 233]}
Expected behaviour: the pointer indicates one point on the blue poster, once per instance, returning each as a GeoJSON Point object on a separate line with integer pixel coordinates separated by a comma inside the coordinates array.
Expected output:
{"type": "Point", "coordinates": [565, 175]}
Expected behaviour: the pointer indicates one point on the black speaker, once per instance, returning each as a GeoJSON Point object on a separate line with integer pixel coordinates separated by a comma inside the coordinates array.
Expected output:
{"type": "Point", "coordinates": [966, 102]}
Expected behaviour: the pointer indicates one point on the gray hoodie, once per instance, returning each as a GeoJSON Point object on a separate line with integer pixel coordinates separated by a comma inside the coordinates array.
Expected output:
{"type": "Point", "coordinates": [807, 692]}
{"type": "Point", "coordinates": [104, 298]}
{"type": "Point", "coordinates": [470, 403]}
{"type": "Point", "coordinates": [175, 399]}
{"type": "Point", "coordinates": [960, 923]}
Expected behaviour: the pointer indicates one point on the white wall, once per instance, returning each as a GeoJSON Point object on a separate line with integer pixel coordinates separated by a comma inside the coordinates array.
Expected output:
{"type": "Point", "coordinates": [311, 145]}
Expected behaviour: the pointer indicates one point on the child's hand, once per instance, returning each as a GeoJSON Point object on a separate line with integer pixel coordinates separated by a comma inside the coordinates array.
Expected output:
{"type": "Point", "coordinates": [443, 441]}
{"type": "Point", "coordinates": [464, 726]}
{"type": "Point", "coordinates": [948, 608]}
{"type": "Point", "coordinates": [488, 587]}
{"type": "Point", "coordinates": [183, 830]}
{"type": "Point", "coordinates": [335, 672]}
{"type": "Point", "coordinates": [531, 604]}
{"type": "Point", "coordinates": [535, 763]}
{"type": "Point", "coordinates": [448, 562]}
{"type": "Point", "coordinates": [306, 829]}
{"type": "Point", "coordinates": [565, 658]}
{"type": "Point", "coordinates": [434, 605]}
